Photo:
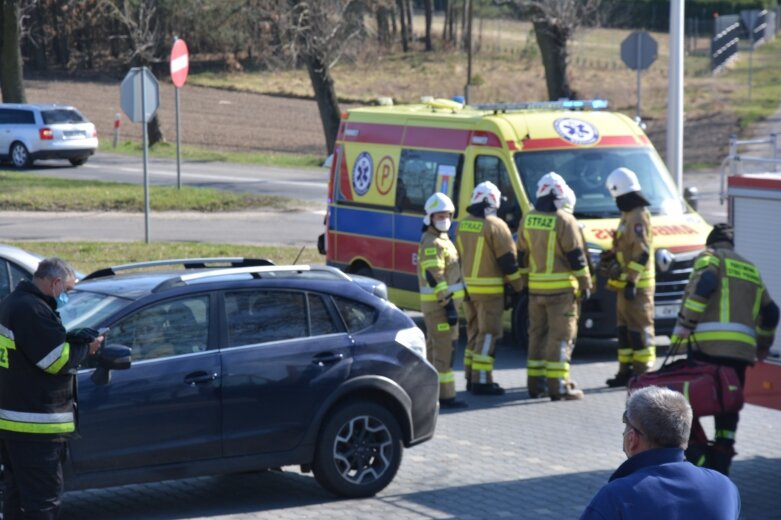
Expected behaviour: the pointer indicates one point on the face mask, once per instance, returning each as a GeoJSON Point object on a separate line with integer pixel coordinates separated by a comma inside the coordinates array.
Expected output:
{"type": "Point", "coordinates": [442, 225]}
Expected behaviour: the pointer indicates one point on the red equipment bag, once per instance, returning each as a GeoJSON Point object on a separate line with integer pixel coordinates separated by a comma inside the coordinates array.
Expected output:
{"type": "Point", "coordinates": [710, 389]}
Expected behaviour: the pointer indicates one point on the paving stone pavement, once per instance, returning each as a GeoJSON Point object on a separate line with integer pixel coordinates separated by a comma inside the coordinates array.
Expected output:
{"type": "Point", "coordinates": [503, 457]}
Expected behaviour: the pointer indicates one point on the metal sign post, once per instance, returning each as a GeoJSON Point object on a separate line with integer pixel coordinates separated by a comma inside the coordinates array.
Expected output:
{"type": "Point", "coordinates": [140, 98]}
{"type": "Point", "coordinates": [638, 52]}
{"type": "Point", "coordinates": [180, 66]}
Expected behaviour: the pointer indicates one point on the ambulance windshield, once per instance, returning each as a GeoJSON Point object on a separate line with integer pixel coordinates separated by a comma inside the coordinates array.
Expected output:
{"type": "Point", "coordinates": [586, 170]}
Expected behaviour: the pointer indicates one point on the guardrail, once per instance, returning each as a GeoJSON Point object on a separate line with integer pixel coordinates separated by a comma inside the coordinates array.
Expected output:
{"type": "Point", "coordinates": [735, 160]}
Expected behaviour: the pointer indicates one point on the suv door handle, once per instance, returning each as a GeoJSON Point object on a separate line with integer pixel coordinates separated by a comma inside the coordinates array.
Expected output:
{"type": "Point", "coordinates": [327, 358]}
{"type": "Point", "coordinates": [199, 378]}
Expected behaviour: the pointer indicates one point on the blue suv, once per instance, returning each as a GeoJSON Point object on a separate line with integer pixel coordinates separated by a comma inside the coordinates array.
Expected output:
{"type": "Point", "coordinates": [247, 367]}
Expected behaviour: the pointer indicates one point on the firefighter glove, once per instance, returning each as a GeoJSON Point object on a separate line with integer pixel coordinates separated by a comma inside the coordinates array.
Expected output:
{"type": "Point", "coordinates": [681, 332]}
{"type": "Point", "coordinates": [584, 294]}
{"type": "Point", "coordinates": [82, 336]}
{"type": "Point", "coordinates": [451, 313]}
{"type": "Point", "coordinates": [630, 291]}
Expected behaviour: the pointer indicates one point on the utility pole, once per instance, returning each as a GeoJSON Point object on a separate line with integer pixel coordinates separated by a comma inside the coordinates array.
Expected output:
{"type": "Point", "coordinates": [675, 95]}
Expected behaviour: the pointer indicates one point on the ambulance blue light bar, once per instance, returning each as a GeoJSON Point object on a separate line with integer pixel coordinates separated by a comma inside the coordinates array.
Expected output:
{"type": "Point", "coordinates": [563, 104]}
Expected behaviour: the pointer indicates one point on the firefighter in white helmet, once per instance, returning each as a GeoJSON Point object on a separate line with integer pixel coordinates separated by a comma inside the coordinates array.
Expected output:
{"type": "Point", "coordinates": [629, 269]}
{"type": "Point", "coordinates": [441, 292]}
{"type": "Point", "coordinates": [552, 256]}
{"type": "Point", "coordinates": [488, 261]}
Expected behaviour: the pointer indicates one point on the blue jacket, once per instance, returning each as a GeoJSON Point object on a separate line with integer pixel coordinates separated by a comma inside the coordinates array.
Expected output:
{"type": "Point", "coordinates": [658, 484]}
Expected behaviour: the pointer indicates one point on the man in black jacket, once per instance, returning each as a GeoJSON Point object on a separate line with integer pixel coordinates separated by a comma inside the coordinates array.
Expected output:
{"type": "Point", "coordinates": [38, 362]}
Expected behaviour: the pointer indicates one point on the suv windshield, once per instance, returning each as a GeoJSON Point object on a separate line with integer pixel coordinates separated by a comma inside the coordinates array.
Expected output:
{"type": "Point", "coordinates": [61, 115]}
{"type": "Point", "coordinates": [586, 172]}
{"type": "Point", "coordinates": [87, 309]}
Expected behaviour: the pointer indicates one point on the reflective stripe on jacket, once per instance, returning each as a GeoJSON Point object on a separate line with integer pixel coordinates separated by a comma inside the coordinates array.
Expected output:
{"type": "Point", "coordinates": [480, 242]}
{"type": "Point", "coordinates": [544, 239]}
{"type": "Point", "coordinates": [726, 322]}
{"type": "Point", "coordinates": [438, 263]}
{"type": "Point", "coordinates": [632, 242]}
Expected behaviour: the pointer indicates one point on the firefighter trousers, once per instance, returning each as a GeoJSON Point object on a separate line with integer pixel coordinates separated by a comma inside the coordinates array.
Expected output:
{"type": "Point", "coordinates": [483, 328]}
{"type": "Point", "coordinates": [33, 479]}
{"type": "Point", "coordinates": [553, 327]}
{"type": "Point", "coordinates": [636, 336]}
{"type": "Point", "coordinates": [441, 339]}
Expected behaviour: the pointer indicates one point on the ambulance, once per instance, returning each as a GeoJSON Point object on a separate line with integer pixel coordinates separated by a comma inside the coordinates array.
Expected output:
{"type": "Point", "coordinates": [389, 159]}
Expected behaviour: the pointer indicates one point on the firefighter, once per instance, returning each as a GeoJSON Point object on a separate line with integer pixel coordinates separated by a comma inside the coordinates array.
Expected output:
{"type": "Point", "coordinates": [731, 319]}
{"type": "Point", "coordinates": [441, 292]}
{"type": "Point", "coordinates": [488, 261]}
{"type": "Point", "coordinates": [629, 268]}
{"type": "Point", "coordinates": [38, 363]}
{"type": "Point", "coordinates": [551, 250]}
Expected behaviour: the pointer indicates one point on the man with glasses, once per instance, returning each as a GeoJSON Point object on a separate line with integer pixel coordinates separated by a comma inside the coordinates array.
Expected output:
{"type": "Point", "coordinates": [656, 481]}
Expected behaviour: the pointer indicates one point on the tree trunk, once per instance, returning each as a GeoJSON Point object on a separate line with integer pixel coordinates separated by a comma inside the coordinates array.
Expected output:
{"type": "Point", "coordinates": [383, 15]}
{"type": "Point", "coordinates": [35, 45]}
{"type": "Point", "coordinates": [410, 32]}
{"type": "Point", "coordinates": [552, 41]}
{"type": "Point", "coordinates": [446, 9]}
{"type": "Point", "coordinates": [154, 132]}
{"type": "Point", "coordinates": [429, 5]}
{"type": "Point", "coordinates": [60, 38]}
{"type": "Point", "coordinates": [403, 17]}
{"type": "Point", "coordinates": [11, 77]}
{"type": "Point", "coordinates": [325, 95]}
{"type": "Point", "coordinates": [464, 20]}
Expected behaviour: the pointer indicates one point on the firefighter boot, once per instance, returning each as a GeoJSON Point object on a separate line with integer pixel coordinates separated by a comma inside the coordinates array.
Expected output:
{"type": "Point", "coordinates": [697, 453]}
{"type": "Point", "coordinates": [622, 377]}
{"type": "Point", "coordinates": [564, 391]}
{"type": "Point", "coordinates": [719, 458]}
{"type": "Point", "coordinates": [487, 389]}
{"type": "Point", "coordinates": [536, 387]}
{"type": "Point", "coordinates": [452, 403]}
{"type": "Point", "coordinates": [639, 368]}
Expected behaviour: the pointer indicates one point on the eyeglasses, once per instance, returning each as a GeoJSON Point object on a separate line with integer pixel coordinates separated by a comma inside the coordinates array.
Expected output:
{"type": "Point", "coordinates": [625, 420]}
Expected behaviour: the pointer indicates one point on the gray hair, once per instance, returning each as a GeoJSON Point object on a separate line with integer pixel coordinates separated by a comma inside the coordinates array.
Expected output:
{"type": "Point", "coordinates": [662, 415]}
{"type": "Point", "coordinates": [54, 267]}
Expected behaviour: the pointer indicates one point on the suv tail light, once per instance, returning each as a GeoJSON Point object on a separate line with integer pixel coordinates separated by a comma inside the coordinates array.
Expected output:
{"type": "Point", "coordinates": [94, 131]}
{"type": "Point", "coordinates": [45, 134]}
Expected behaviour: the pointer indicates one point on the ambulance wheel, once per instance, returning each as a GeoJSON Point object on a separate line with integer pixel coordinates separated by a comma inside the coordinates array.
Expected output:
{"type": "Point", "coordinates": [520, 322]}
{"type": "Point", "coordinates": [362, 270]}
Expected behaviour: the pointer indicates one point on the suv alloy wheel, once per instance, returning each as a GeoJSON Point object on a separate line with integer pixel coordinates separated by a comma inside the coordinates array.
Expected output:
{"type": "Point", "coordinates": [20, 157]}
{"type": "Point", "coordinates": [359, 450]}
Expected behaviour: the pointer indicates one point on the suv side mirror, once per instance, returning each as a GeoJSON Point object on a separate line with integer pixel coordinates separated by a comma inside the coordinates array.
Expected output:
{"type": "Point", "coordinates": [111, 357]}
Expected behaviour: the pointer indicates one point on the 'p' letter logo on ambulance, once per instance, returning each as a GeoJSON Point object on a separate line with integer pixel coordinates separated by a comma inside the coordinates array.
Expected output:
{"type": "Point", "coordinates": [362, 173]}
{"type": "Point", "coordinates": [576, 131]}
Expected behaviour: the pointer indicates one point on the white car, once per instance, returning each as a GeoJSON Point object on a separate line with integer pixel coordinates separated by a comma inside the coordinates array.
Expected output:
{"type": "Point", "coordinates": [30, 132]}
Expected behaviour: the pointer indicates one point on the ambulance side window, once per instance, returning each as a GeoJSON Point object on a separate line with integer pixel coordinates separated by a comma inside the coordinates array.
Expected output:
{"type": "Point", "coordinates": [491, 168]}
{"type": "Point", "coordinates": [421, 173]}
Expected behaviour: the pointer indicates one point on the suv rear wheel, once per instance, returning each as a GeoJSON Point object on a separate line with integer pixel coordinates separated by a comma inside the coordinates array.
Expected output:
{"type": "Point", "coordinates": [20, 157]}
{"type": "Point", "coordinates": [359, 450]}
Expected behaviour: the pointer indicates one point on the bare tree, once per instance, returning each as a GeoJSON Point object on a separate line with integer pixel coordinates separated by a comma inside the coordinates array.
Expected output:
{"type": "Point", "coordinates": [555, 22]}
{"type": "Point", "coordinates": [11, 79]}
{"type": "Point", "coordinates": [429, 7]}
{"type": "Point", "coordinates": [402, 7]}
{"type": "Point", "coordinates": [142, 22]}
{"type": "Point", "coordinates": [320, 31]}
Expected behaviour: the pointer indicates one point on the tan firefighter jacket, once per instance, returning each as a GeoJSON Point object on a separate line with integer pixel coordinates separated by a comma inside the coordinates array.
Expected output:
{"type": "Point", "coordinates": [546, 241]}
{"type": "Point", "coordinates": [725, 312]}
{"type": "Point", "coordinates": [439, 273]}
{"type": "Point", "coordinates": [481, 242]}
{"type": "Point", "coordinates": [633, 247]}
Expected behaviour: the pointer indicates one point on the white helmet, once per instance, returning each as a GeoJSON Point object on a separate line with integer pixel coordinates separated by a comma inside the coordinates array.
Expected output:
{"type": "Point", "coordinates": [567, 201]}
{"type": "Point", "coordinates": [488, 192]}
{"type": "Point", "coordinates": [622, 181]}
{"type": "Point", "coordinates": [551, 183]}
{"type": "Point", "coordinates": [437, 203]}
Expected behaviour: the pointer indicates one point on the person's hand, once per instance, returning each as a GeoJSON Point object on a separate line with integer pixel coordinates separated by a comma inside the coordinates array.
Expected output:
{"type": "Point", "coordinates": [451, 313]}
{"type": "Point", "coordinates": [95, 345]}
{"type": "Point", "coordinates": [584, 294]}
{"type": "Point", "coordinates": [630, 291]}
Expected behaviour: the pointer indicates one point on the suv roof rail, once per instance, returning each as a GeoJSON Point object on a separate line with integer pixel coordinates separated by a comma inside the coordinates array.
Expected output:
{"type": "Point", "coordinates": [257, 271]}
{"type": "Point", "coordinates": [567, 104]}
{"type": "Point", "coordinates": [187, 263]}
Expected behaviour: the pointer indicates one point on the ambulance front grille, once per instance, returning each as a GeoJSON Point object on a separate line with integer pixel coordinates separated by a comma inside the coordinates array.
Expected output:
{"type": "Point", "coordinates": [671, 284]}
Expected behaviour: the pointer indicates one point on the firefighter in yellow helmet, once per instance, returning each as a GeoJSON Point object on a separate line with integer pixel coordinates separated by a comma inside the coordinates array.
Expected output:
{"type": "Point", "coordinates": [731, 319]}
{"type": "Point", "coordinates": [552, 255]}
{"type": "Point", "coordinates": [441, 292]}
{"type": "Point", "coordinates": [629, 268]}
{"type": "Point", "coordinates": [488, 261]}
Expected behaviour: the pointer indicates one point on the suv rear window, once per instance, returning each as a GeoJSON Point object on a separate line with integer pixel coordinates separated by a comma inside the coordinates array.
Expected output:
{"type": "Point", "coordinates": [61, 115]}
{"type": "Point", "coordinates": [15, 116]}
{"type": "Point", "coordinates": [357, 316]}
